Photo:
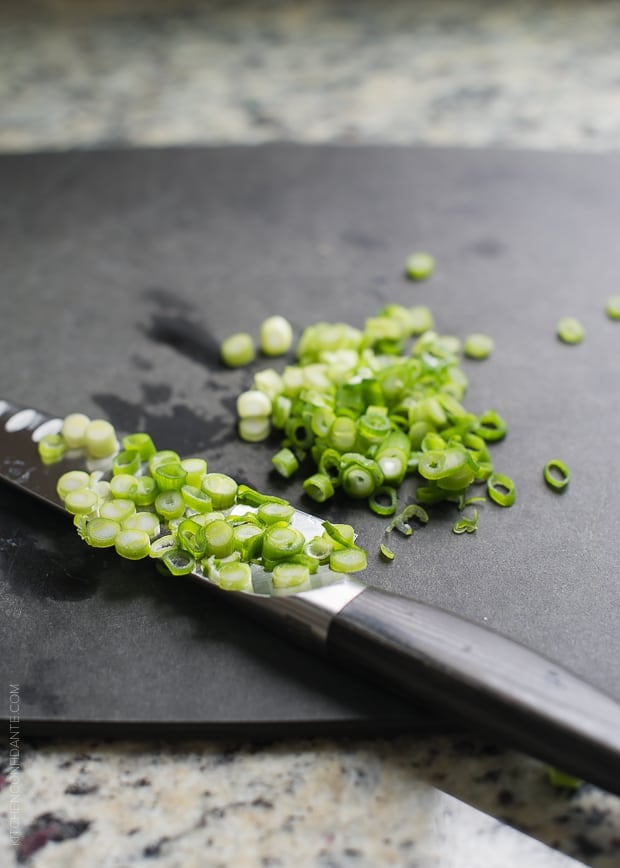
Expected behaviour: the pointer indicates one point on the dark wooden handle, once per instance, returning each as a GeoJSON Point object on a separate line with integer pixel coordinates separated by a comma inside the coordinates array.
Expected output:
{"type": "Point", "coordinates": [485, 679]}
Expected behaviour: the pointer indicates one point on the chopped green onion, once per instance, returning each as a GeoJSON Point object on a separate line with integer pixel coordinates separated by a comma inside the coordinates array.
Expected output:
{"type": "Point", "coordinates": [320, 548]}
{"type": "Point", "coordinates": [170, 477]}
{"type": "Point", "coordinates": [146, 521]}
{"type": "Point", "coordinates": [383, 500]}
{"type": "Point", "coordinates": [491, 426]}
{"type": "Point", "coordinates": [276, 336]}
{"type": "Point", "coordinates": [557, 474]}
{"type": "Point", "coordinates": [562, 780]}
{"type": "Point", "coordinates": [218, 538]}
{"type": "Point", "coordinates": [163, 456]}
{"type": "Point", "coordinates": [238, 350]}
{"type": "Point", "coordinates": [253, 403]}
{"type": "Point", "coordinates": [118, 509]}
{"type": "Point", "coordinates": [341, 535]}
{"type": "Point", "coordinates": [349, 560]}
{"type": "Point", "coordinates": [400, 522]}
{"type": "Point", "coordinates": [195, 499]}
{"type": "Point", "coordinates": [285, 462]}
{"type": "Point", "coordinates": [140, 443]}
{"type": "Point", "coordinates": [220, 488]}
{"type": "Point", "coordinates": [124, 485]}
{"type": "Point", "coordinates": [74, 430]}
{"type": "Point", "coordinates": [268, 381]}
{"type": "Point", "coordinates": [465, 524]}
{"type": "Point", "coordinates": [51, 448]}
{"type": "Point", "coordinates": [280, 543]}
{"type": "Point", "coordinates": [501, 489]}
{"type": "Point", "coordinates": [162, 546]}
{"type": "Point", "coordinates": [73, 480]}
{"type": "Point", "coordinates": [82, 501]}
{"type": "Point", "coordinates": [170, 504]}
{"type": "Point", "coordinates": [178, 562]}
{"type": "Point", "coordinates": [478, 346]}
{"type": "Point", "coordinates": [132, 544]}
{"type": "Point", "coordinates": [290, 575]}
{"type": "Point", "coordinates": [613, 307]}
{"type": "Point", "coordinates": [374, 426]}
{"type": "Point", "coordinates": [191, 538]}
{"type": "Point", "coordinates": [235, 576]}
{"type": "Point", "coordinates": [250, 497]}
{"type": "Point", "coordinates": [359, 479]}
{"type": "Point", "coordinates": [195, 468]}
{"type": "Point", "coordinates": [342, 434]}
{"type": "Point", "coordinates": [319, 487]}
{"type": "Point", "coordinates": [248, 541]}
{"type": "Point", "coordinates": [272, 512]}
{"type": "Point", "coordinates": [386, 551]}
{"type": "Point", "coordinates": [421, 319]}
{"type": "Point", "coordinates": [254, 429]}
{"type": "Point", "coordinates": [126, 461]}
{"type": "Point", "coordinates": [570, 330]}
{"type": "Point", "coordinates": [100, 439]}
{"type": "Point", "coordinates": [419, 266]}
{"type": "Point", "coordinates": [101, 532]}
{"type": "Point", "coordinates": [146, 491]}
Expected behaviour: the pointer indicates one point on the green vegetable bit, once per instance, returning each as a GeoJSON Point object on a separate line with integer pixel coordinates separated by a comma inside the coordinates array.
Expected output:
{"type": "Point", "coordinates": [570, 330]}
{"type": "Point", "coordinates": [419, 266]}
{"type": "Point", "coordinates": [613, 307]}
{"type": "Point", "coordinates": [478, 346]}
{"type": "Point", "coordinates": [556, 474]}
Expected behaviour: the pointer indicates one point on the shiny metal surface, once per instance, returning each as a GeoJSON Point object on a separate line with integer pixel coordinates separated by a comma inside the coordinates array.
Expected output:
{"type": "Point", "coordinates": [305, 611]}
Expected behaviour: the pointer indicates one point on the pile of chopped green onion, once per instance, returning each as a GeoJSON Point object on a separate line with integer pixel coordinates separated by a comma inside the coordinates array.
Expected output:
{"type": "Point", "coordinates": [362, 409]}
{"type": "Point", "coordinates": [158, 505]}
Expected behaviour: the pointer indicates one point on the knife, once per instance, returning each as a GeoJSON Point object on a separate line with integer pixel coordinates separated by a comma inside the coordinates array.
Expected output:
{"type": "Point", "coordinates": [484, 679]}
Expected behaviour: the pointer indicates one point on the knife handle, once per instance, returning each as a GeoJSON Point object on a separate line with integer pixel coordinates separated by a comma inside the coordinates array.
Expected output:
{"type": "Point", "coordinates": [483, 678]}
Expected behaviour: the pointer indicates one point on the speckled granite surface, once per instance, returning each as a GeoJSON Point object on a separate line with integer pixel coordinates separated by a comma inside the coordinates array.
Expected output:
{"type": "Point", "coordinates": [467, 73]}
{"type": "Point", "coordinates": [144, 72]}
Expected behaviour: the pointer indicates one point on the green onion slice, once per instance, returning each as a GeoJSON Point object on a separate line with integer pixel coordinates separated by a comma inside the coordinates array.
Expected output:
{"type": "Point", "coordinates": [146, 521]}
{"type": "Point", "coordinates": [556, 474]}
{"type": "Point", "coordinates": [383, 500]}
{"type": "Point", "coordinates": [419, 266]}
{"type": "Point", "coordinates": [570, 330]}
{"type": "Point", "coordinates": [478, 346]}
{"type": "Point", "coordinates": [126, 461]}
{"type": "Point", "coordinates": [280, 543]}
{"type": "Point", "coordinates": [132, 544]}
{"type": "Point", "coordinates": [170, 504]}
{"type": "Point", "coordinates": [290, 575]}
{"type": "Point", "coordinates": [195, 499]}
{"type": "Point", "coordinates": [73, 480]}
{"type": "Point", "coordinates": [285, 462]}
{"type": "Point", "coordinates": [234, 576]}
{"type": "Point", "coordinates": [613, 307]}
{"type": "Point", "coordinates": [51, 448]}
{"type": "Point", "coordinates": [466, 524]}
{"type": "Point", "coordinates": [82, 501]}
{"type": "Point", "coordinates": [349, 560]}
{"type": "Point", "coordinates": [170, 477]}
{"type": "Point", "coordinates": [178, 562]}
{"type": "Point", "coordinates": [501, 489]}
{"type": "Point", "coordinates": [271, 512]}
{"type": "Point", "coordinates": [140, 443]}
{"type": "Point", "coordinates": [221, 488]}
{"type": "Point", "coordinates": [101, 532]}
{"type": "Point", "coordinates": [118, 509]}
{"type": "Point", "coordinates": [238, 350]}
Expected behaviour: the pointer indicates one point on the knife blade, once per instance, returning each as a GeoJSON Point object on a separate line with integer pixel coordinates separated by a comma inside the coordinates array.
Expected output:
{"type": "Point", "coordinates": [484, 679]}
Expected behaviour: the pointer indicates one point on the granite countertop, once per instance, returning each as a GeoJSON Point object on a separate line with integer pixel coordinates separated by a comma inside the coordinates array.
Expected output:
{"type": "Point", "coordinates": [471, 73]}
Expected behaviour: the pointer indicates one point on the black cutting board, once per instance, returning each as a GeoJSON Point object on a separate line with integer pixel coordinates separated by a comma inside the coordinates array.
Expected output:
{"type": "Point", "coordinates": [122, 271]}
